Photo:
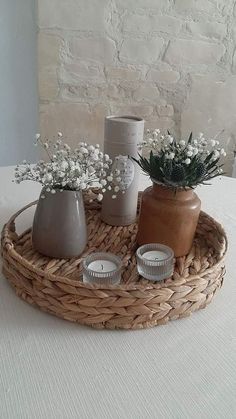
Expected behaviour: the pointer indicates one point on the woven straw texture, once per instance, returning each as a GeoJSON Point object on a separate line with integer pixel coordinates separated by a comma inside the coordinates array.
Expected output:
{"type": "Point", "coordinates": [55, 285]}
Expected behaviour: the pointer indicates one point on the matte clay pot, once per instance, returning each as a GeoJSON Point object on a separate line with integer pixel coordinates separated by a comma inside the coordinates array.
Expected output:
{"type": "Point", "coordinates": [169, 218]}
{"type": "Point", "coordinates": [59, 227]}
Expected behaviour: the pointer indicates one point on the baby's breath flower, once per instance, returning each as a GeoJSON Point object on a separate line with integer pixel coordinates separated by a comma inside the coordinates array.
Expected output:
{"type": "Point", "coordinates": [99, 197]}
{"type": "Point", "coordinates": [91, 169]}
{"type": "Point", "coordinates": [91, 148]}
{"type": "Point", "coordinates": [95, 157]}
{"type": "Point", "coordinates": [216, 155]}
{"type": "Point", "coordinates": [82, 168]}
{"type": "Point", "coordinates": [48, 177]}
{"type": "Point", "coordinates": [83, 186]}
{"type": "Point", "coordinates": [182, 143]}
{"type": "Point", "coordinates": [106, 157]}
{"type": "Point", "coordinates": [187, 161]}
{"type": "Point", "coordinates": [170, 139]}
{"type": "Point", "coordinates": [64, 165]}
{"type": "Point", "coordinates": [84, 150]}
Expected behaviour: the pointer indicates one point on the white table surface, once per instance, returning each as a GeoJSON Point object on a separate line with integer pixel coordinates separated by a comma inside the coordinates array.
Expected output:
{"type": "Point", "coordinates": [50, 368]}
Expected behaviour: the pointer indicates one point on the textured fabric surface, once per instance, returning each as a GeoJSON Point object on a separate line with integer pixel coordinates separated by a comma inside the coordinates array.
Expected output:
{"type": "Point", "coordinates": [50, 368]}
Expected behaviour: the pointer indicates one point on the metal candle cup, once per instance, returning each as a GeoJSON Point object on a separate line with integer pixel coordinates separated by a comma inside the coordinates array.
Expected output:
{"type": "Point", "coordinates": [155, 261]}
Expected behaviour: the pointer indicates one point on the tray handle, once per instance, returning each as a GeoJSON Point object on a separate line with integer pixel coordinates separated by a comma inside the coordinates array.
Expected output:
{"type": "Point", "coordinates": [9, 235]}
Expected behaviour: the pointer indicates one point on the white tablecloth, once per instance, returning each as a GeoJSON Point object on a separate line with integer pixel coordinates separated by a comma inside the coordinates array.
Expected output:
{"type": "Point", "coordinates": [50, 368]}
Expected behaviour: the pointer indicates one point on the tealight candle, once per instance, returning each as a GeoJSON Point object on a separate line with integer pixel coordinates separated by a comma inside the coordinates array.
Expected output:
{"type": "Point", "coordinates": [155, 261]}
{"type": "Point", "coordinates": [154, 255]}
{"type": "Point", "coordinates": [102, 268]}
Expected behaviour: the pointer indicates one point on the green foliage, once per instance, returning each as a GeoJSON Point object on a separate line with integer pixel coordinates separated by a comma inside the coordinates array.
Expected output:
{"type": "Point", "coordinates": [181, 165]}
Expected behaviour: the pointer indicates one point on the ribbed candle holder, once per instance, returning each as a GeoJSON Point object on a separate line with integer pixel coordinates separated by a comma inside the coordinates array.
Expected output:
{"type": "Point", "coordinates": [102, 268]}
{"type": "Point", "coordinates": [155, 261]}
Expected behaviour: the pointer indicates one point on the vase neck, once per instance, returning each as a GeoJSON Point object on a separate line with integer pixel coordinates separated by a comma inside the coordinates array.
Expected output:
{"type": "Point", "coordinates": [170, 193]}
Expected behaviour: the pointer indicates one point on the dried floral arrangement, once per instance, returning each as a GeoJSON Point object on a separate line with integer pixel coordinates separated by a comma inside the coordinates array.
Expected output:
{"type": "Point", "coordinates": [180, 164]}
{"type": "Point", "coordinates": [82, 168]}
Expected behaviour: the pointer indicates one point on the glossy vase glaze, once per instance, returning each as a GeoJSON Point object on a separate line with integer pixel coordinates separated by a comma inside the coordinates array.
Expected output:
{"type": "Point", "coordinates": [169, 218]}
{"type": "Point", "coordinates": [59, 227]}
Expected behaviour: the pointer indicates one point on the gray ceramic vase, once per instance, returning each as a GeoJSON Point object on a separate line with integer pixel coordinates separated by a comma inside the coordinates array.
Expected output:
{"type": "Point", "coordinates": [59, 227]}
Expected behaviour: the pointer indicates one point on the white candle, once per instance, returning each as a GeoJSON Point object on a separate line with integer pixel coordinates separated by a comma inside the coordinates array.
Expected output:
{"type": "Point", "coordinates": [102, 266]}
{"type": "Point", "coordinates": [155, 255]}
{"type": "Point", "coordinates": [155, 261]}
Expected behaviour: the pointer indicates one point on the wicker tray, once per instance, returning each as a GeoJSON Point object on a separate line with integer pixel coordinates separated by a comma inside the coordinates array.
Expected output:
{"type": "Point", "coordinates": [55, 285]}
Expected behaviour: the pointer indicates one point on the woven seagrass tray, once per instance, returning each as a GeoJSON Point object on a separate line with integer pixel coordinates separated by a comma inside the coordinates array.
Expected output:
{"type": "Point", "coordinates": [55, 285]}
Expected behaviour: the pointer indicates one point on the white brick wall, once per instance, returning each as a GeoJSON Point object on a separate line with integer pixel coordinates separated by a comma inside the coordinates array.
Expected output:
{"type": "Point", "coordinates": [172, 62]}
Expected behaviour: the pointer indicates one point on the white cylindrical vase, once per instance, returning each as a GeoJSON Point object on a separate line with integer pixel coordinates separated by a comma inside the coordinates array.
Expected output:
{"type": "Point", "coordinates": [234, 168]}
{"type": "Point", "coordinates": [121, 139]}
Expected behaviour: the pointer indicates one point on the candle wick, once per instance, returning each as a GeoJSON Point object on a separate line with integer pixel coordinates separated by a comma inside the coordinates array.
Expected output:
{"type": "Point", "coordinates": [102, 267]}
{"type": "Point", "coordinates": [156, 258]}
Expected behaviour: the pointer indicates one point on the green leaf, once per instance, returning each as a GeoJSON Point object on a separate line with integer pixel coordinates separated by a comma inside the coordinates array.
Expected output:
{"type": "Point", "coordinates": [190, 138]}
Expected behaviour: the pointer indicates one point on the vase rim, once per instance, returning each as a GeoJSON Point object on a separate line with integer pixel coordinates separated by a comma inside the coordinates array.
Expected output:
{"type": "Point", "coordinates": [169, 187]}
{"type": "Point", "coordinates": [61, 190]}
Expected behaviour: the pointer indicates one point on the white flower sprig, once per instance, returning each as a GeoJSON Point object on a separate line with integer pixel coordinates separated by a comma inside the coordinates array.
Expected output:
{"type": "Point", "coordinates": [82, 168]}
{"type": "Point", "coordinates": [181, 163]}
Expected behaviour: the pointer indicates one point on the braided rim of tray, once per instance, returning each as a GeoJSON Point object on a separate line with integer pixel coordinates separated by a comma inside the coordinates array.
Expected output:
{"type": "Point", "coordinates": [55, 285]}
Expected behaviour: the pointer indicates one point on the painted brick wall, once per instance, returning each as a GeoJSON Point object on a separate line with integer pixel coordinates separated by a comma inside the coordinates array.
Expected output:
{"type": "Point", "coordinates": [172, 62]}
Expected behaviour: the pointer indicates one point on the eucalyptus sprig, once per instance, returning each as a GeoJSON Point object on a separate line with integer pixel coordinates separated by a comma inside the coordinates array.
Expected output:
{"type": "Point", "coordinates": [181, 164]}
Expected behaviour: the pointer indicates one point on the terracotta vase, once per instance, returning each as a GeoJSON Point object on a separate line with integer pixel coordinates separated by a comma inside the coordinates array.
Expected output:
{"type": "Point", "coordinates": [169, 217]}
{"type": "Point", "coordinates": [59, 227]}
